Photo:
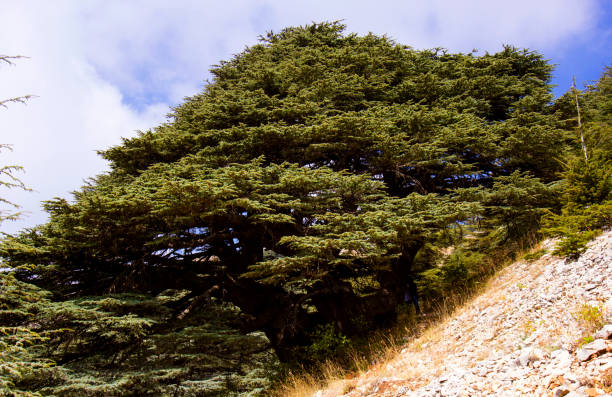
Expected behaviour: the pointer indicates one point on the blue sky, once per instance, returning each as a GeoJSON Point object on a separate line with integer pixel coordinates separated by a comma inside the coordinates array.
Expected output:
{"type": "Point", "coordinates": [584, 56]}
{"type": "Point", "coordinates": [103, 69]}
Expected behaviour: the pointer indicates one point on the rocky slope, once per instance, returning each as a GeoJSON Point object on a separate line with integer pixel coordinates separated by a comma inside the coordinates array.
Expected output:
{"type": "Point", "coordinates": [533, 332]}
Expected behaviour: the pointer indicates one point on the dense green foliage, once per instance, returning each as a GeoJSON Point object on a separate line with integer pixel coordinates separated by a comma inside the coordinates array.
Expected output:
{"type": "Point", "coordinates": [293, 198]}
{"type": "Point", "coordinates": [588, 191]}
{"type": "Point", "coordinates": [18, 340]}
{"type": "Point", "coordinates": [126, 345]}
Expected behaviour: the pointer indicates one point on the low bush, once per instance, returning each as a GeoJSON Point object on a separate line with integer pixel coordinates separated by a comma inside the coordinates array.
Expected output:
{"type": "Point", "coordinates": [576, 226]}
{"type": "Point", "coordinates": [327, 343]}
{"type": "Point", "coordinates": [458, 273]}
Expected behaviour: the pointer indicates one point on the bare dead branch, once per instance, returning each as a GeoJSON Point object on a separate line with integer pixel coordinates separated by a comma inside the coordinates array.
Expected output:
{"type": "Point", "coordinates": [584, 149]}
{"type": "Point", "coordinates": [19, 99]}
{"type": "Point", "coordinates": [9, 58]}
{"type": "Point", "coordinates": [197, 301]}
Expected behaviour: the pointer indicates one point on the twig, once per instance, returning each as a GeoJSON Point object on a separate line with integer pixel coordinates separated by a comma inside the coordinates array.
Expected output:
{"type": "Point", "coordinates": [19, 99]}
{"type": "Point", "coordinates": [8, 58]}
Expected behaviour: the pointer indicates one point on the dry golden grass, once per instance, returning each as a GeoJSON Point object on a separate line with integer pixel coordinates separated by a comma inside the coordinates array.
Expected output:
{"type": "Point", "coordinates": [335, 378]}
{"type": "Point", "coordinates": [426, 346]}
{"type": "Point", "coordinates": [305, 384]}
{"type": "Point", "coordinates": [405, 360]}
{"type": "Point", "coordinates": [606, 380]}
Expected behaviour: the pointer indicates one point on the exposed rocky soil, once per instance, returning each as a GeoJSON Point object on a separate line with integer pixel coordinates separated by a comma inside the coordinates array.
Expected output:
{"type": "Point", "coordinates": [533, 332]}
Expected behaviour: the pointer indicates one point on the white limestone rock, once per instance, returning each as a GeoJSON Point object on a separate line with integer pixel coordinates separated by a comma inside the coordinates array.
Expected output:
{"type": "Point", "coordinates": [604, 333]}
{"type": "Point", "coordinates": [598, 346]}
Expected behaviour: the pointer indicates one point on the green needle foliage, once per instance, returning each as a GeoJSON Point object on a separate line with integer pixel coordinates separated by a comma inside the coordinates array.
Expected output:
{"type": "Point", "coordinates": [19, 341]}
{"type": "Point", "coordinates": [587, 197]}
{"type": "Point", "coordinates": [126, 345]}
{"type": "Point", "coordinates": [293, 198]}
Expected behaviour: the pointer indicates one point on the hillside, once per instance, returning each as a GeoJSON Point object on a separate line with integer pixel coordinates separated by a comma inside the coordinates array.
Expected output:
{"type": "Point", "coordinates": [521, 336]}
{"type": "Point", "coordinates": [283, 215]}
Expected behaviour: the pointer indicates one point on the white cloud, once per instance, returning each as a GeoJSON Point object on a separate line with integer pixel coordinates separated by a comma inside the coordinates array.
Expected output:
{"type": "Point", "coordinates": [76, 112]}
{"type": "Point", "coordinates": [103, 69]}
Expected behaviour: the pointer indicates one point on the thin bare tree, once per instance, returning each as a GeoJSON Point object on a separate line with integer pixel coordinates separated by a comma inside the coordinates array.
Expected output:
{"type": "Point", "coordinates": [575, 91]}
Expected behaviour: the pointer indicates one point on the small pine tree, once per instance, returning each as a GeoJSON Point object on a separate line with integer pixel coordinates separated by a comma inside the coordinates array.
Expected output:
{"type": "Point", "coordinates": [588, 184]}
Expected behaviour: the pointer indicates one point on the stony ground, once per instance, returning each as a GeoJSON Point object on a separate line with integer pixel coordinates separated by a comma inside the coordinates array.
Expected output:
{"type": "Point", "coordinates": [533, 332]}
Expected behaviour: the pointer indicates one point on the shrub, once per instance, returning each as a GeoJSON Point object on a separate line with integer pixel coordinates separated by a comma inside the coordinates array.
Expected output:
{"type": "Point", "coordinates": [460, 271]}
{"type": "Point", "coordinates": [327, 343]}
{"type": "Point", "coordinates": [590, 317]}
{"type": "Point", "coordinates": [535, 255]}
{"type": "Point", "coordinates": [576, 226]}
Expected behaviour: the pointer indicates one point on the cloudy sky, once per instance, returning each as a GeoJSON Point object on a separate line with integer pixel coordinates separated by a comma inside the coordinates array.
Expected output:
{"type": "Point", "coordinates": [102, 69]}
